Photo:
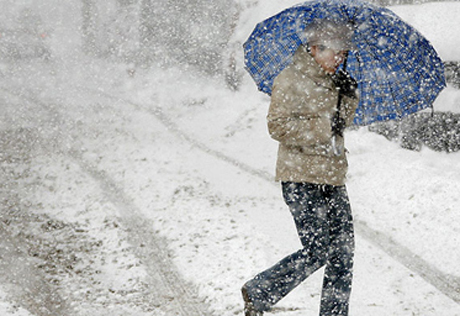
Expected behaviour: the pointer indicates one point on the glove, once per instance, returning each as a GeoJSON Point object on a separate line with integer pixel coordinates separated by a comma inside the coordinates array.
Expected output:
{"type": "Point", "coordinates": [338, 125]}
{"type": "Point", "coordinates": [346, 85]}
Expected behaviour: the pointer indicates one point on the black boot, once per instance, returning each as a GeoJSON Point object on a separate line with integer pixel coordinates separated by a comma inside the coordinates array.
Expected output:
{"type": "Point", "coordinates": [249, 309]}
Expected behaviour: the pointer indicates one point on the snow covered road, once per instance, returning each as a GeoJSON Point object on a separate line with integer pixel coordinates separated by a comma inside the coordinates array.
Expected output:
{"type": "Point", "coordinates": [43, 157]}
{"type": "Point", "coordinates": [162, 205]}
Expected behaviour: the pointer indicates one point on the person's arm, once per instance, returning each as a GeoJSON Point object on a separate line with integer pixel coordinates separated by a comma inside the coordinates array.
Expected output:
{"type": "Point", "coordinates": [287, 125]}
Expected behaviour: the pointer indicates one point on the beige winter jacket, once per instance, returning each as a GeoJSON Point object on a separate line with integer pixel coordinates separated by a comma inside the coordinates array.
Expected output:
{"type": "Point", "coordinates": [303, 102]}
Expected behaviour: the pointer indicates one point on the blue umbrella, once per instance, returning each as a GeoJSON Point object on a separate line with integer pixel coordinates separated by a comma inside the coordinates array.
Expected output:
{"type": "Point", "coordinates": [397, 70]}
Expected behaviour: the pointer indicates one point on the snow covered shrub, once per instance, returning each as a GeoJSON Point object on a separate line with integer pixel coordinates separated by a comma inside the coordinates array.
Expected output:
{"type": "Point", "coordinates": [439, 131]}
{"type": "Point", "coordinates": [452, 71]}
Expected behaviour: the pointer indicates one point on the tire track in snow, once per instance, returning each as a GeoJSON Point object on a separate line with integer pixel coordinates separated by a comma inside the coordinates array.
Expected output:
{"type": "Point", "coordinates": [176, 296]}
{"type": "Point", "coordinates": [449, 285]}
{"type": "Point", "coordinates": [21, 276]}
{"type": "Point", "coordinates": [174, 291]}
{"type": "Point", "coordinates": [172, 127]}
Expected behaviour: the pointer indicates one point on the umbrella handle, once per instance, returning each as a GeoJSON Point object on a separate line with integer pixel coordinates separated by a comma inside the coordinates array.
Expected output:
{"type": "Point", "coordinates": [339, 101]}
{"type": "Point", "coordinates": [337, 149]}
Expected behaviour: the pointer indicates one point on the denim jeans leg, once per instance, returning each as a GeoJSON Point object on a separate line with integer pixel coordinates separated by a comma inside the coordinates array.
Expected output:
{"type": "Point", "coordinates": [338, 273]}
{"type": "Point", "coordinates": [309, 210]}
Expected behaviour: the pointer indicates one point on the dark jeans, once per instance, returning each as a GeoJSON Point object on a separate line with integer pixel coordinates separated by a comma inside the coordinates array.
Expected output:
{"type": "Point", "coordinates": [322, 215]}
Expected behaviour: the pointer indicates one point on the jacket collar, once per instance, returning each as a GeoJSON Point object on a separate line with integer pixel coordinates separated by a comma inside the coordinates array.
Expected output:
{"type": "Point", "coordinates": [306, 64]}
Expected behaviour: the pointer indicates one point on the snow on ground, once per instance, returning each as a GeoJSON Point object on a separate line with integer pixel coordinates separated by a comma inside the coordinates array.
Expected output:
{"type": "Point", "coordinates": [195, 159]}
{"type": "Point", "coordinates": [10, 308]}
{"type": "Point", "coordinates": [222, 232]}
{"type": "Point", "coordinates": [408, 195]}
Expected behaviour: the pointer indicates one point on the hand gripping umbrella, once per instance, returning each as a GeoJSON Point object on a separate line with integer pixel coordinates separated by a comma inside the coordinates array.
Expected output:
{"type": "Point", "coordinates": [397, 70]}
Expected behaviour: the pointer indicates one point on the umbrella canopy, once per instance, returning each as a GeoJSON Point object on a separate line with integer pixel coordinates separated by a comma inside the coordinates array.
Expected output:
{"type": "Point", "coordinates": [397, 69]}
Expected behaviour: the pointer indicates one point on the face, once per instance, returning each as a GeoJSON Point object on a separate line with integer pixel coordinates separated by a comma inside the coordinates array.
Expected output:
{"type": "Point", "coordinates": [327, 58]}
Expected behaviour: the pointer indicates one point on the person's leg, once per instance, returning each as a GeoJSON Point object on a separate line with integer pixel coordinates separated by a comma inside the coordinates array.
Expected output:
{"type": "Point", "coordinates": [309, 209]}
{"type": "Point", "coordinates": [338, 273]}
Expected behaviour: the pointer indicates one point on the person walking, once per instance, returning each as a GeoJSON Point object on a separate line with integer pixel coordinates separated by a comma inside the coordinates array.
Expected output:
{"type": "Point", "coordinates": [312, 102]}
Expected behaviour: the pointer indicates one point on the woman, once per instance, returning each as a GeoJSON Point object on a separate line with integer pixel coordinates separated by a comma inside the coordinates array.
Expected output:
{"type": "Point", "coordinates": [311, 104]}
